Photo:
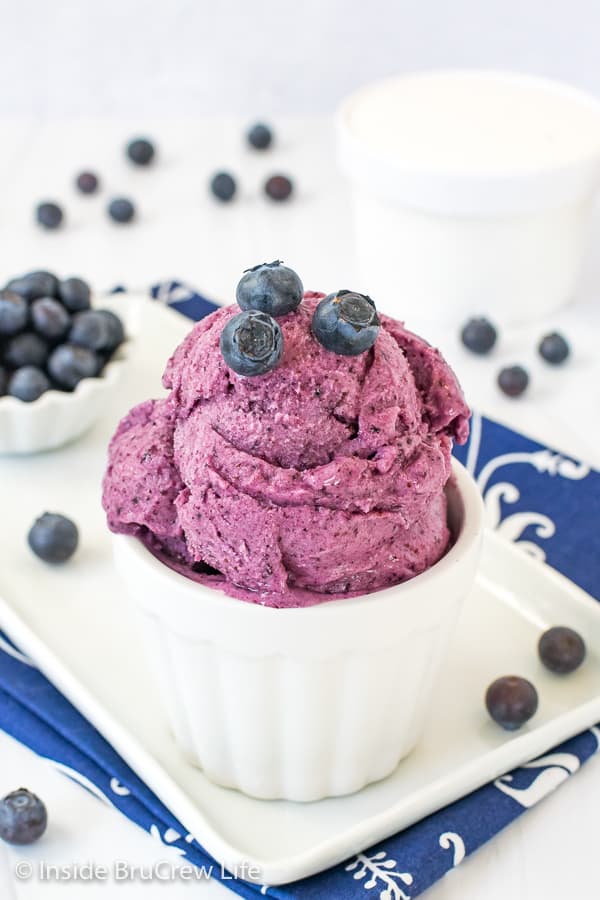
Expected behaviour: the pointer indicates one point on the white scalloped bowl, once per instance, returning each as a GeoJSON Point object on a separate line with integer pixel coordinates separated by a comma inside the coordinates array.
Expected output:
{"type": "Point", "coordinates": [59, 417]}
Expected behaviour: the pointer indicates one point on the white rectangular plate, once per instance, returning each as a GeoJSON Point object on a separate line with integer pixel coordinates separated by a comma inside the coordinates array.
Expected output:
{"type": "Point", "coordinates": [72, 620]}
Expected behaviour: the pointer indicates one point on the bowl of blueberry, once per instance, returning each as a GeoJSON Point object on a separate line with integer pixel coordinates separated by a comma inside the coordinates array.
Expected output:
{"type": "Point", "coordinates": [60, 361]}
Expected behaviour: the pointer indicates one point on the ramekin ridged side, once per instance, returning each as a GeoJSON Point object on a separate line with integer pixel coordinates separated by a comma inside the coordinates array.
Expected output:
{"type": "Point", "coordinates": [57, 417]}
{"type": "Point", "coordinates": [301, 704]}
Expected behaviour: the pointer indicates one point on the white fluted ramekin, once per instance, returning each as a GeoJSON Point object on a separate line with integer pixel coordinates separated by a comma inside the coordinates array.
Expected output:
{"type": "Point", "coordinates": [302, 704]}
{"type": "Point", "coordinates": [59, 417]}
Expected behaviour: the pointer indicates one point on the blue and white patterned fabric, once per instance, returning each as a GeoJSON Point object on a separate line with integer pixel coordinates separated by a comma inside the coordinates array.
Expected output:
{"type": "Point", "coordinates": [534, 496]}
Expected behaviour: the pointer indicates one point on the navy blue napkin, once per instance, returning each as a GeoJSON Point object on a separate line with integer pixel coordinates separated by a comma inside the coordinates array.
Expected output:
{"type": "Point", "coordinates": [535, 496]}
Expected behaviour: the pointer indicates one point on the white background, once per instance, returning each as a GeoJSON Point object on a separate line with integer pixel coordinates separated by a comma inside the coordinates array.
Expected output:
{"type": "Point", "coordinates": [84, 76]}
{"type": "Point", "coordinates": [251, 57]}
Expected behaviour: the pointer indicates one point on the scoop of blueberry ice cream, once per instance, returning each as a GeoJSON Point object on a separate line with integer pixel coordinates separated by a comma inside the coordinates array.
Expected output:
{"type": "Point", "coordinates": [322, 474]}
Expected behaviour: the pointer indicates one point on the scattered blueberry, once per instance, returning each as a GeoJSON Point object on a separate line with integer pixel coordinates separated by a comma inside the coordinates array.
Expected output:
{"type": "Point", "coordinates": [26, 349]}
{"type": "Point", "coordinates": [116, 332]}
{"type": "Point", "coordinates": [561, 649]}
{"type": "Point", "coordinates": [90, 329]}
{"type": "Point", "coordinates": [118, 289]}
{"type": "Point", "coordinates": [479, 335]}
{"type": "Point", "coordinates": [28, 383]}
{"type": "Point", "coordinates": [554, 348]}
{"type": "Point", "coordinates": [68, 364]}
{"type": "Point", "coordinates": [49, 318]}
{"type": "Point", "coordinates": [271, 288]}
{"type": "Point", "coordinates": [260, 136]}
{"type": "Point", "coordinates": [75, 293]}
{"type": "Point", "coordinates": [34, 285]}
{"type": "Point", "coordinates": [513, 380]}
{"type": "Point", "coordinates": [23, 817]}
{"type": "Point", "coordinates": [141, 151]}
{"type": "Point", "coordinates": [121, 210]}
{"type": "Point", "coordinates": [14, 312]}
{"type": "Point", "coordinates": [278, 187]}
{"type": "Point", "coordinates": [511, 701]}
{"type": "Point", "coordinates": [53, 537]}
{"type": "Point", "coordinates": [87, 183]}
{"type": "Point", "coordinates": [346, 323]}
{"type": "Point", "coordinates": [223, 186]}
{"type": "Point", "coordinates": [251, 343]}
{"type": "Point", "coordinates": [49, 215]}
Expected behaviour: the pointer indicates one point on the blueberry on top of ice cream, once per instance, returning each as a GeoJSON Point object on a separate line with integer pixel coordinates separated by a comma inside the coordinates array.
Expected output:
{"type": "Point", "coordinates": [251, 343]}
{"type": "Point", "coordinates": [323, 476]}
{"type": "Point", "coordinates": [271, 288]}
{"type": "Point", "coordinates": [346, 323]}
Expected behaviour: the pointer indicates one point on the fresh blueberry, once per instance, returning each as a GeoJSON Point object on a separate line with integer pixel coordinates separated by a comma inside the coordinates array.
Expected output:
{"type": "Point", "coordinates": [27, 349]}
{"type": "Point", "coordinates": [50, 318]}
{"type": "Point", "coordinates": [68, 364]}
{"type": "Point", "coordinates": [260, 136]}
{"type": "Point", "coordinates": [14, 312]}
{"type": "Point", "coordinates": [121, 210]}
{"type": "Point", "coordinates": [513, 380]}
{"type": "Point", "coordinates": [511, 701]}
{"type": "Point", "coordinates": [18, 286]}
{"type": "Point", "coordinates": [252, 343]}
{"type": "Point", "coordinates": [34, 285]}
{"type": "Point", "coordinates": [346, 323]}
{"type": "Point", "coordinates": [49, 215]}
{"type": "Point", "coordinates": [75, 294]}
{"type": "Point", "coordinates": [116, 332]}
{"type": "Point", "coordinates": [479, 335]}
{"type": "Point", "coordinates": [3, 381]}
{"type": "Point", "coordinates": [53, 537]}
{"type": "Point", "coordinates": [554, 348]}
{"type": "Point", "coordinates": [561, 649]}
{"type": "Point", "coordinates": [271, 288]}
{"type": "Point", "coordinates": [90, 329]}
{"type": "Point", "coordinates": [23, 817]}
{"type": "Point", "coordinates": [87, 183]}
{"type": "Point", "coordinates": [223, 186]}
{"type": "Point", "coordinates": [118, 289]}
{"type": "Point", "coordinates": [28, 383]}
{"type": "Point", "coordinates": [278, 187]}
{"type": "Point", "coordinates": [141, 151]}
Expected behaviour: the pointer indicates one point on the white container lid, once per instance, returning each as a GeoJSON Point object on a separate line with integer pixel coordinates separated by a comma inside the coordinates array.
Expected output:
{"type": "Point", "coordinates": [472, 142]}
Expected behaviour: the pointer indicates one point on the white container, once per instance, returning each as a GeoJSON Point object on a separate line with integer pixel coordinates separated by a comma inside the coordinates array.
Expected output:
{"type": "Point", "coordinates": [301, 704]}
{"type": "Point", "coordinates": [59, 417]}
{"type": "Point", "coordinates": [473, 192]}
